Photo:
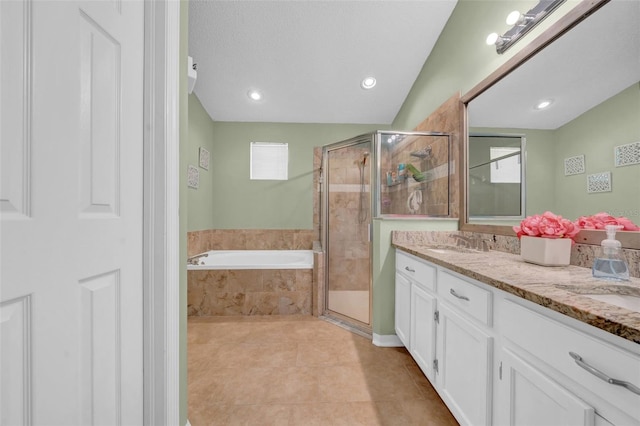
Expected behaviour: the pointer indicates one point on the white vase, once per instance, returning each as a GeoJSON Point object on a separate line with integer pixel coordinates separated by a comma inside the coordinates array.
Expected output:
{"type": "Point", "coordinates": [546, 251]}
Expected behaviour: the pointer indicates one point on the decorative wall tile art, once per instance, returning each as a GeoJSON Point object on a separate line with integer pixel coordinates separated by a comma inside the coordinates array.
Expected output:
{"type": "Point", "coordinates": [574, 165]}
{"type": "Point", "coordinates": [193, 177]}
{"type": "Point", "coordinates": [204, 158]}
{"type": "Point", "coordinates": [599, 182]}
{"type": "Point", "coordinates": [626, 155]}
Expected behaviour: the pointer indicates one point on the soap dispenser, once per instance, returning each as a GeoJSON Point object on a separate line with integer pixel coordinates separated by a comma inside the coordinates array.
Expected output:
{"type": "Point", "coordinates": [611, 264]}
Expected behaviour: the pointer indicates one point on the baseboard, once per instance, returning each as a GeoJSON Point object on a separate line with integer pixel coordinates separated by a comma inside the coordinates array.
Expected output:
{"type": "Point", "coordinates": [387, 340]}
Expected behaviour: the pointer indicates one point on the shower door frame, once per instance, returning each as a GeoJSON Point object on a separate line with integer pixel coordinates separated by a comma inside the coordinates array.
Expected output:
{"type": "Point", "coordinates": [371, 139]}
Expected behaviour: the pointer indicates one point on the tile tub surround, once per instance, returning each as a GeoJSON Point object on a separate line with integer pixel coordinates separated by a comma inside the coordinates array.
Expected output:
{"type": "Point", "coordinates": [561, 289]}
{"type": "Point", "coordinates": [249, 292]}
{"type": "Point", "coordinates": [249, 239]}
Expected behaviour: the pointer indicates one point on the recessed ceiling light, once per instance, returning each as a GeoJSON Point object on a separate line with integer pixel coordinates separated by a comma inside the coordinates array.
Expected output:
{"type": "Point", "coordinates": [254, 95]}
{"type": "Point", "coordinates": [544, 104]}
{"type": "Point", "coordinates": [368, 83]}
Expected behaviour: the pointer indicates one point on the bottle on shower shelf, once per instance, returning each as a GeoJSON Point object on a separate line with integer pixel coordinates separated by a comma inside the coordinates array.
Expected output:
{"type": "Point", "coordinates": [402, 172]}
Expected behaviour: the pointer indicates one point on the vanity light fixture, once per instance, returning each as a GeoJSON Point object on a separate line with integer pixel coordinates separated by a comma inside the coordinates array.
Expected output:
{"type": "Point", "coordinates": [522, 23]}
{"type": "Point", "coordinates": [368, 83]}
{"type": "Point", "coordinates": [254, 95]}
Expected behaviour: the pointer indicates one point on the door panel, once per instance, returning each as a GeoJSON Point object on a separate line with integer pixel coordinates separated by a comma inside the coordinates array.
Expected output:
{"type": "Point", "coordinates": [348, 177]}
{"type": "Point", "coordinates": [71, 206]}
{"type": "Point", "coordinates": [535, 399]}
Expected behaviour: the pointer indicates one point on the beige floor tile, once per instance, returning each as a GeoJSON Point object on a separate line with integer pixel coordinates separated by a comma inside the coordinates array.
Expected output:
{"type": "Point", "coordinates": [298, 370]}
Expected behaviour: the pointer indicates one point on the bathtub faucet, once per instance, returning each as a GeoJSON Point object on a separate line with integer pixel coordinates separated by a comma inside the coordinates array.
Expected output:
{"type": "Point", "coordinates": [193, 260]}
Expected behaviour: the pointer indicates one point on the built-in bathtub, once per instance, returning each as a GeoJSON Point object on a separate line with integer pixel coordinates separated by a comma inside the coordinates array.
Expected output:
{"type": "Point", "coordinates": [252, 259]}
{"type": "Point", "coordinates": [250, 282]}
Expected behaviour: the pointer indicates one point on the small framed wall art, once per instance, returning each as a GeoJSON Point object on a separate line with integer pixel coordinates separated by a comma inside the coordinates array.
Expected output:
{"type": "Point", "coordinates": [204, 158]}
{"type": "Point", "coordinates": [193, 177]}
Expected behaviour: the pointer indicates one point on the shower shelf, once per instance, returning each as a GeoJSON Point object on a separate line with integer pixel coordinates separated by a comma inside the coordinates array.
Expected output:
{"type": "Point", "coordinates": [423, 153]}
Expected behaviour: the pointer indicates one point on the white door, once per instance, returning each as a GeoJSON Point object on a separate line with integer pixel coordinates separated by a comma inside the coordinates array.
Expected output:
{"type": "Point", "coordinates": [402, 313]}
{"type": "Point", "coordinates": [423, 331]}
{"type": "Point", "coordinates": [532, 398]}
{"type": "Point", "coordinates": [71, 141]}
{"type": "Point", "coordinates": [464, 373]}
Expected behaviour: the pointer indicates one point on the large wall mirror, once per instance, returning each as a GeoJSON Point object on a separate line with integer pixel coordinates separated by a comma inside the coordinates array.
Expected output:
{"type": "Point", "coordinates": [581, 152]}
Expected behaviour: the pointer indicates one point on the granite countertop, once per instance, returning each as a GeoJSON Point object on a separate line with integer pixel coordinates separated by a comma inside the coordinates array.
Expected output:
{"type": "Point", "coordinates": [562, 289]}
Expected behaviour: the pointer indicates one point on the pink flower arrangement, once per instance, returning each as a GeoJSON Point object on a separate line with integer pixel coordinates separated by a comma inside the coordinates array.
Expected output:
{"type": "Point", "coordinates": [547, 225]}
{"type": "Point", "coordinates": [599, 220]}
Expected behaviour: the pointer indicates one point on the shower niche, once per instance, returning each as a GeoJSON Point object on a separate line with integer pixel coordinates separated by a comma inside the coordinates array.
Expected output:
{"type": "Point", "coordinates": [376, 175]}
{"type": "Point", "coordinates": [413, 174]}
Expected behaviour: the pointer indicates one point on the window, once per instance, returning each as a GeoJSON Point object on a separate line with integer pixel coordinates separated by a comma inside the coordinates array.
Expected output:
{"type": "Point", "coordinates": [269, 161]}
{"type": "Point", "coordinates": [505, 164]}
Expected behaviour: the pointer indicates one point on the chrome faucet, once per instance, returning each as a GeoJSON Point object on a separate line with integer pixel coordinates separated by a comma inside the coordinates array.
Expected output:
{"type": "Point", "coordinates": [193, 260]}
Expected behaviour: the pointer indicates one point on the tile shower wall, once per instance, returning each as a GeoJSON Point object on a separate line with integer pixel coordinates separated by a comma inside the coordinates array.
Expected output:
{"type": "Point", "coordinates": [434, 191]}
{"type": "Point", "coordinates": [448, 118]}
{"type": "Point", "coordinates": [255, 291]}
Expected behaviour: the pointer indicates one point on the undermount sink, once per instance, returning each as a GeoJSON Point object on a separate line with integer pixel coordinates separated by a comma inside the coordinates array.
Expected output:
{"type": "Point", "coordinates": [626, 301]}
{"type": "Point", "coordinates": [444, 249]}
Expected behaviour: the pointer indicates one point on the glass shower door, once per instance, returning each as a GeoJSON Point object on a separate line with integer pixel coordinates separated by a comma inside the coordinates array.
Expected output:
{"type": "Point", "coordinates": [348, 218]}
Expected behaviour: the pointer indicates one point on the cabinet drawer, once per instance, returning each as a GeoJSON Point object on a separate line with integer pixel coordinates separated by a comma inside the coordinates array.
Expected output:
{"type": "Point", "coordinates": [417, 270]}
{"type": "Point", "coordinates": [552, 342]}
{"type": "Point", "coordinates": [468, 297]}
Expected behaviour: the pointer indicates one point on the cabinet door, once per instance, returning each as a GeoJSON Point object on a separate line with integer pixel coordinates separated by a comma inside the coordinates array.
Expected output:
{"type": "Point", "coordinates": [403, 309]}
{"type": "Point", "coordinates": [423, 306]}
{"type": "Point", "coordinates": [464, 354]}
{"type": "Point", "coordinates": [532, 398]}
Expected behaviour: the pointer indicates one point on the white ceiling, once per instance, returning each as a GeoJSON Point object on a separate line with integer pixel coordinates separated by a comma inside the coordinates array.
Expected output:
{"type": "Point", "coordinates": [597, 59]}
{"type": "Point", "coordinates": [308, 57]}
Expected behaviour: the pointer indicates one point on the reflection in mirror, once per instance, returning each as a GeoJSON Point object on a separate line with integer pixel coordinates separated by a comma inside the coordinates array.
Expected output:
{"type": "Point", "coordinates": [590, 76]}
{"type": "Point", "coordinates": [496, 176]}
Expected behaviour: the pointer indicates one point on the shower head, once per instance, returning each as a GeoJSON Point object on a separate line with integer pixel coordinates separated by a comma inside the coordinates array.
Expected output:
{"type": "Point", "coordinates": [364, 157]}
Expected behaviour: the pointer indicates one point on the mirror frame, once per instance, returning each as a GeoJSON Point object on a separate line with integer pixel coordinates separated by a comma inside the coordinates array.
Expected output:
{"type": "Point", "coordinates": [576, 15]}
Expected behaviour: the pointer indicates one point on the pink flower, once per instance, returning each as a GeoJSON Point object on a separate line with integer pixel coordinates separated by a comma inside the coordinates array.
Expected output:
{"type": "Point", "coordinates": [547, 225]}
{"type": "Point", "coordinates": [599, 220]}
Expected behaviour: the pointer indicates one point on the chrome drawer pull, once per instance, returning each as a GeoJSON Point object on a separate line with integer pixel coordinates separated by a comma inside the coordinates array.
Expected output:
{"type": "Point", "coordinates": [599, 374]}
{"type": "Point", "coordinates": [453, 292]}
{"type": "Point", "coordinates": [409, 269]}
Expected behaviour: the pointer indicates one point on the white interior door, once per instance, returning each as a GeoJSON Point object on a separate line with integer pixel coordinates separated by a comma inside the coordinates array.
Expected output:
{"type": "Point", "coordinates": [71, 91]}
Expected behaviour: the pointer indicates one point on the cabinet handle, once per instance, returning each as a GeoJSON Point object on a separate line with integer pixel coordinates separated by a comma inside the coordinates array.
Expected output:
{"type": "Point", "coordinates": [409, 269]}
{"type": "Point", "coordinates": [453, 292]}
{"type": "Point", "coordinates": [599, 374]}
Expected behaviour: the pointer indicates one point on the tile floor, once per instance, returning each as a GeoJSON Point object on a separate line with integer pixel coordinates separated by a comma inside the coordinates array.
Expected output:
{"type": "Point", "coordinates": [299, 370]}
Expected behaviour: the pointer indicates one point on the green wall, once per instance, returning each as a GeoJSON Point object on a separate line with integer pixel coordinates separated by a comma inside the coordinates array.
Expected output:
{"type": "Point", "coordinates": [595, 134]}
{"type": "Point", "coordinates": [384, 265]}
{"type": "Point", "coordinates": [228, 199]}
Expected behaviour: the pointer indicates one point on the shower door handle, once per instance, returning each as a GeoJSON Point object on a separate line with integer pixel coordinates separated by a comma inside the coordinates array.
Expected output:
{"type": "Point", "coordinates": [369, 232]}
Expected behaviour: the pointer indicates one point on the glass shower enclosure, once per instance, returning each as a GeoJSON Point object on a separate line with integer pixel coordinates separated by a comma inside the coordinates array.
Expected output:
{"type": "Point", "coordinates": [376, 175]}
